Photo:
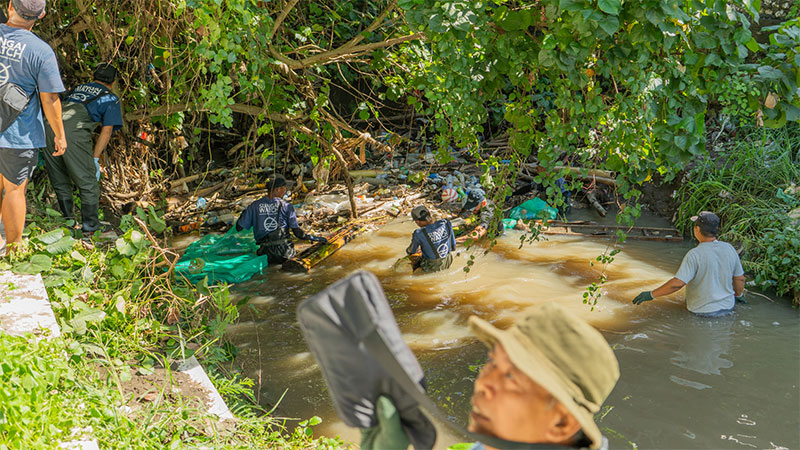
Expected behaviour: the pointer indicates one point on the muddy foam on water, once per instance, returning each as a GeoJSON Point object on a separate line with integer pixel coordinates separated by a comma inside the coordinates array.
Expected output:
{"type": "Point", "coordinates": [666, 355]}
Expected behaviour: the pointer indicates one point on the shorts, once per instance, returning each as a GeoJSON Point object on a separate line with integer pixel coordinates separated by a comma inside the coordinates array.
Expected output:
{"type": "Point", "coordinates": [17, 165]}
{"type": "Point", "coordinates": [720, 313]}
{"type": "Point", "coordinates": [436, 265]}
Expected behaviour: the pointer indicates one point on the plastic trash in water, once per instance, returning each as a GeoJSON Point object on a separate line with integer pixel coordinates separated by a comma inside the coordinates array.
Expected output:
{"type": "Point", "coordinates": [201, 203]}
{"type": "Point", "coordinates": [224, 218]}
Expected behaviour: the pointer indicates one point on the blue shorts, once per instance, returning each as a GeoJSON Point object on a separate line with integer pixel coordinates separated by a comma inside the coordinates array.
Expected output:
{"type": "Point", "coordinates": [720, 313]}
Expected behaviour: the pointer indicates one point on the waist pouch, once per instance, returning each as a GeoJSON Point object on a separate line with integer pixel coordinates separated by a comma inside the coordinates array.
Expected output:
{"type": "Point", "coordinates": [352, 333]}
{"type": "Point", "coordinates": [13, 101]}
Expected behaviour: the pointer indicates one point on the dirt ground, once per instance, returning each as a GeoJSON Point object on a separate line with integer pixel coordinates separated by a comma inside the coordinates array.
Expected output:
{"type": "Point", "coordinates": [161, 385]}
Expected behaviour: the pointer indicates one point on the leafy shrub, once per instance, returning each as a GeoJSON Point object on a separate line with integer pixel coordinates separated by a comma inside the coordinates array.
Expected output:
{"type": "Point", "coordinates": [752, 187]}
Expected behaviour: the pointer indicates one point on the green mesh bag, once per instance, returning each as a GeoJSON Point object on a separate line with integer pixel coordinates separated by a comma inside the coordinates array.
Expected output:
{"type": "Point", "coordinates": [229, 258]}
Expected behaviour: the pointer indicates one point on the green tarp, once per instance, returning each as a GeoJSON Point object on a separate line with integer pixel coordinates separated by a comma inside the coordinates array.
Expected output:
{"type": "Point", "coordinates": [229, 258]}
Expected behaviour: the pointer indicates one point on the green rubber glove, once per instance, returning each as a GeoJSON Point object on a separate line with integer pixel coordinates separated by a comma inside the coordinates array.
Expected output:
{"type": "Point", "coordinates": [645, 296]}
{"type": "Point", "coordinates": [388, 434]}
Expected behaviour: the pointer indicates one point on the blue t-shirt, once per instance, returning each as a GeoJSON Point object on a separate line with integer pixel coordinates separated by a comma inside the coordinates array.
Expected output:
{"type": "Point", "coordinates": [267, 215]}
{"type": "Point", "coordinates": [30, 63]}
{"type": "Point", "coordinates": [442, 237]}
{"type": "Point", "coordinates": [104, 109]}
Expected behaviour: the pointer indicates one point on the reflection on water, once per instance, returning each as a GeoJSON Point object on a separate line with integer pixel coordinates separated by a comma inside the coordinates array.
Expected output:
{"type": "Point", "coordinates": [686, 382]}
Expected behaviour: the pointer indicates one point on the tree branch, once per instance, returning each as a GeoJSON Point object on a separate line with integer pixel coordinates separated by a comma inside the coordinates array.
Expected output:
{"type": "Point", "coordinates": [375, 24]}
{"type": "Point", "coordinates": [281, 17]}
{"type": "Point", "coordinates": [348, 181]}
{"type": "Point", "coordinates": [242, 108]}
{"type": "Point", "coordinates": [330, 56]}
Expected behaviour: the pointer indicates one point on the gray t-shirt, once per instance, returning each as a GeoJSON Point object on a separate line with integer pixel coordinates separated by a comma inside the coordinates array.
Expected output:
{"type": "Point", "coordinates": [708, 272]}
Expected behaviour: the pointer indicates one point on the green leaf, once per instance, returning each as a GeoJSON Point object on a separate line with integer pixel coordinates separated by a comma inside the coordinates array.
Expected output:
{"type": "Point", "coordinates": [609, 24]}
{"type": "Point", "coordinates": [753, 45]}
{"type": "Point", "coordinates": [37, 264]}
{"type": "Point", "coordinates": [124, 247]}
{"type": "Point", "coordinates": [610, 6]}
{"type": "Point", "coordinates": [51, 236]}
{"type": "Point", "coordinates": [516, 20]}
{"type": "Point", "coordinates": [570, 5]}
{"type": "Point", "coordinates": [770, 73]}
{"type": "Point", "coordinates": [156, 223]}
{"type": "Point", "coordinates": [62, 246]}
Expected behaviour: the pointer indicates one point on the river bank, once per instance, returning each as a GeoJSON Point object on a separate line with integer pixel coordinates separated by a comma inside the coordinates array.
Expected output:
{"type": "Point", "coordinates": [113, 375]}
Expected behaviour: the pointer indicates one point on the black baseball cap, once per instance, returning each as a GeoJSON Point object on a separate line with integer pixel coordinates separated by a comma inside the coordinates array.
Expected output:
{"type": "Point", "coordinates": [29, 9]}
{"type": "Point", "coordinates": [420, 213]}
{"type": "Point", "coordinates": [276, 183]}
{"type": "Point", "coordinates": [707, 221]}
{"type": "Point", "coordinates": [105, 72]}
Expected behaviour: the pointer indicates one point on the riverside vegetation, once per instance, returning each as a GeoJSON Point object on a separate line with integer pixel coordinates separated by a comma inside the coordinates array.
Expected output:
{"type": "Point", "coordinates": [121, 312]}
{"type": "Point", "coordinates": [623, 86]}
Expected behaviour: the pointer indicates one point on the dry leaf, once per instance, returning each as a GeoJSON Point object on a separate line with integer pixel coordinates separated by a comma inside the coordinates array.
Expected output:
{"type": "Point", "coordinates": [173, 316]}
{"type": "Point", "coordinates": [771, 100]}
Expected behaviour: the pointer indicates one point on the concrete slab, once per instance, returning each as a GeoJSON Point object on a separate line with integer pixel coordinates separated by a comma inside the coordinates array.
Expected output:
{"type": "Point", "coordinates": [194, 370]}
{"type": "Point", "coordinates": [80, 445]}
{"type": "Point", "coordinates": [24, 306]}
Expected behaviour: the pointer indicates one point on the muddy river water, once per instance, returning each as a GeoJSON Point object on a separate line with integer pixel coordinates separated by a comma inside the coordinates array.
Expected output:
{"type": "Point", "coordinates": [686, 382]}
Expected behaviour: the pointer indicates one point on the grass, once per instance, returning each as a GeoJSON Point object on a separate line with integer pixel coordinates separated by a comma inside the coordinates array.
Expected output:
{"type": "Point", "coordinates": [122, 311]}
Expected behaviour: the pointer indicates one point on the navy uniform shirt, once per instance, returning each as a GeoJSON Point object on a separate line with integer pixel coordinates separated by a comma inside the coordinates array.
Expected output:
{"type": "Point", "coordinates": [105, 109]}
{"type": "Point", "coordinates": [267, 215]}
{"type": "Point", "coordinates": [442, 237]}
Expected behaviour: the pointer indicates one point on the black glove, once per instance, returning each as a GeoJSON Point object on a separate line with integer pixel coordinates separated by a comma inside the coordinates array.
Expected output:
{"type": "Point", "coordinates": [319, 239]}
{"type": "Point", "coordinates": [645, 296]}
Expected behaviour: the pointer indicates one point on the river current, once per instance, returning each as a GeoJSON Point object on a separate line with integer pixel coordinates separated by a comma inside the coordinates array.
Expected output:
{"type": "Point", "coordinates": [686, 382]}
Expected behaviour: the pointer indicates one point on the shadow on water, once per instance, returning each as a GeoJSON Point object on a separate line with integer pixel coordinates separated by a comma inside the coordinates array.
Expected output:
{"type": "Point", "coordinates": [686, 382]}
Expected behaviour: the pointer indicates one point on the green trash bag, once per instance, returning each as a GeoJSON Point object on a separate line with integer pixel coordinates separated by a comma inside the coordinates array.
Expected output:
{"type": "Point", "coordinates": [229, 258]}
{"type": "Point", "coordinates": [534, 208]}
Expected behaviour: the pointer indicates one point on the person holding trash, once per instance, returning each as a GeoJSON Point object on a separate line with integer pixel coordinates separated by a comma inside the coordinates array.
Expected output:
{"type": "Point", "coordinates": [480, 210]}
{"type": "Point", "coordinates": [85, 107]}
{"type": "Point", "coordinates": [711, 272]}
{"type": "Point", "coordinates": [271, 219]}
{"type": "Point", "coordinates": [436, 240]}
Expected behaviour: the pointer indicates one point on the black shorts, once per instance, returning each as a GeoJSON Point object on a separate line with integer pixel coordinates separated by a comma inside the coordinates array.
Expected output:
{"type": "Point", "coordinates": [16, 165]}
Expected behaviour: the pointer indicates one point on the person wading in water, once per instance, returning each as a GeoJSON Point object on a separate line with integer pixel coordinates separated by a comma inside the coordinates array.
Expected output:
{"type": "Point", "coordinates": [711, 272]}
{"type": "Point", "coordinates": [436, 240]}
{"type": "Point", "coordinates": [271, 219]}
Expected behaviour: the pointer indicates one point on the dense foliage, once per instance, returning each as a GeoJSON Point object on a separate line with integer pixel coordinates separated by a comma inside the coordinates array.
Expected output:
{"type": "Point", "coordinates": [754, 186]}
{"type": "Point", "coordinates": [622, 86]}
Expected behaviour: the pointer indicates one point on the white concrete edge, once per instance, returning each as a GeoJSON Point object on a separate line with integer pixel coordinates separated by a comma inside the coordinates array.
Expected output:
{"type": "Point", "coordinates": [24, 306]}
{"type": "Point", "coordinates": [195, 371]}
{"type": "Point", "coordinates": [79, 445]}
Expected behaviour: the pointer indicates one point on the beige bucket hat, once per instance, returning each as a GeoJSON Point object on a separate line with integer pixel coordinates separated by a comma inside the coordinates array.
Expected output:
{"type": "Point", "coordinates": [564, 355]}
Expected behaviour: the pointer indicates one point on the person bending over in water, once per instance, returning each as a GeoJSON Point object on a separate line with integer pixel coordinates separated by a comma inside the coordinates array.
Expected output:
{"type": "Point", "coordinates": [711, 272]}
{"type": "Point", "coordinates": [436, 240]}
{"type": "Point", "coordinates": [271, 218]}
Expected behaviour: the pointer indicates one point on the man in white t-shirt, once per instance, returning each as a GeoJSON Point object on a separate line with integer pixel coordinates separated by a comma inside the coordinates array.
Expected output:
{"type": "Point", "coordinates": [711, 272]}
